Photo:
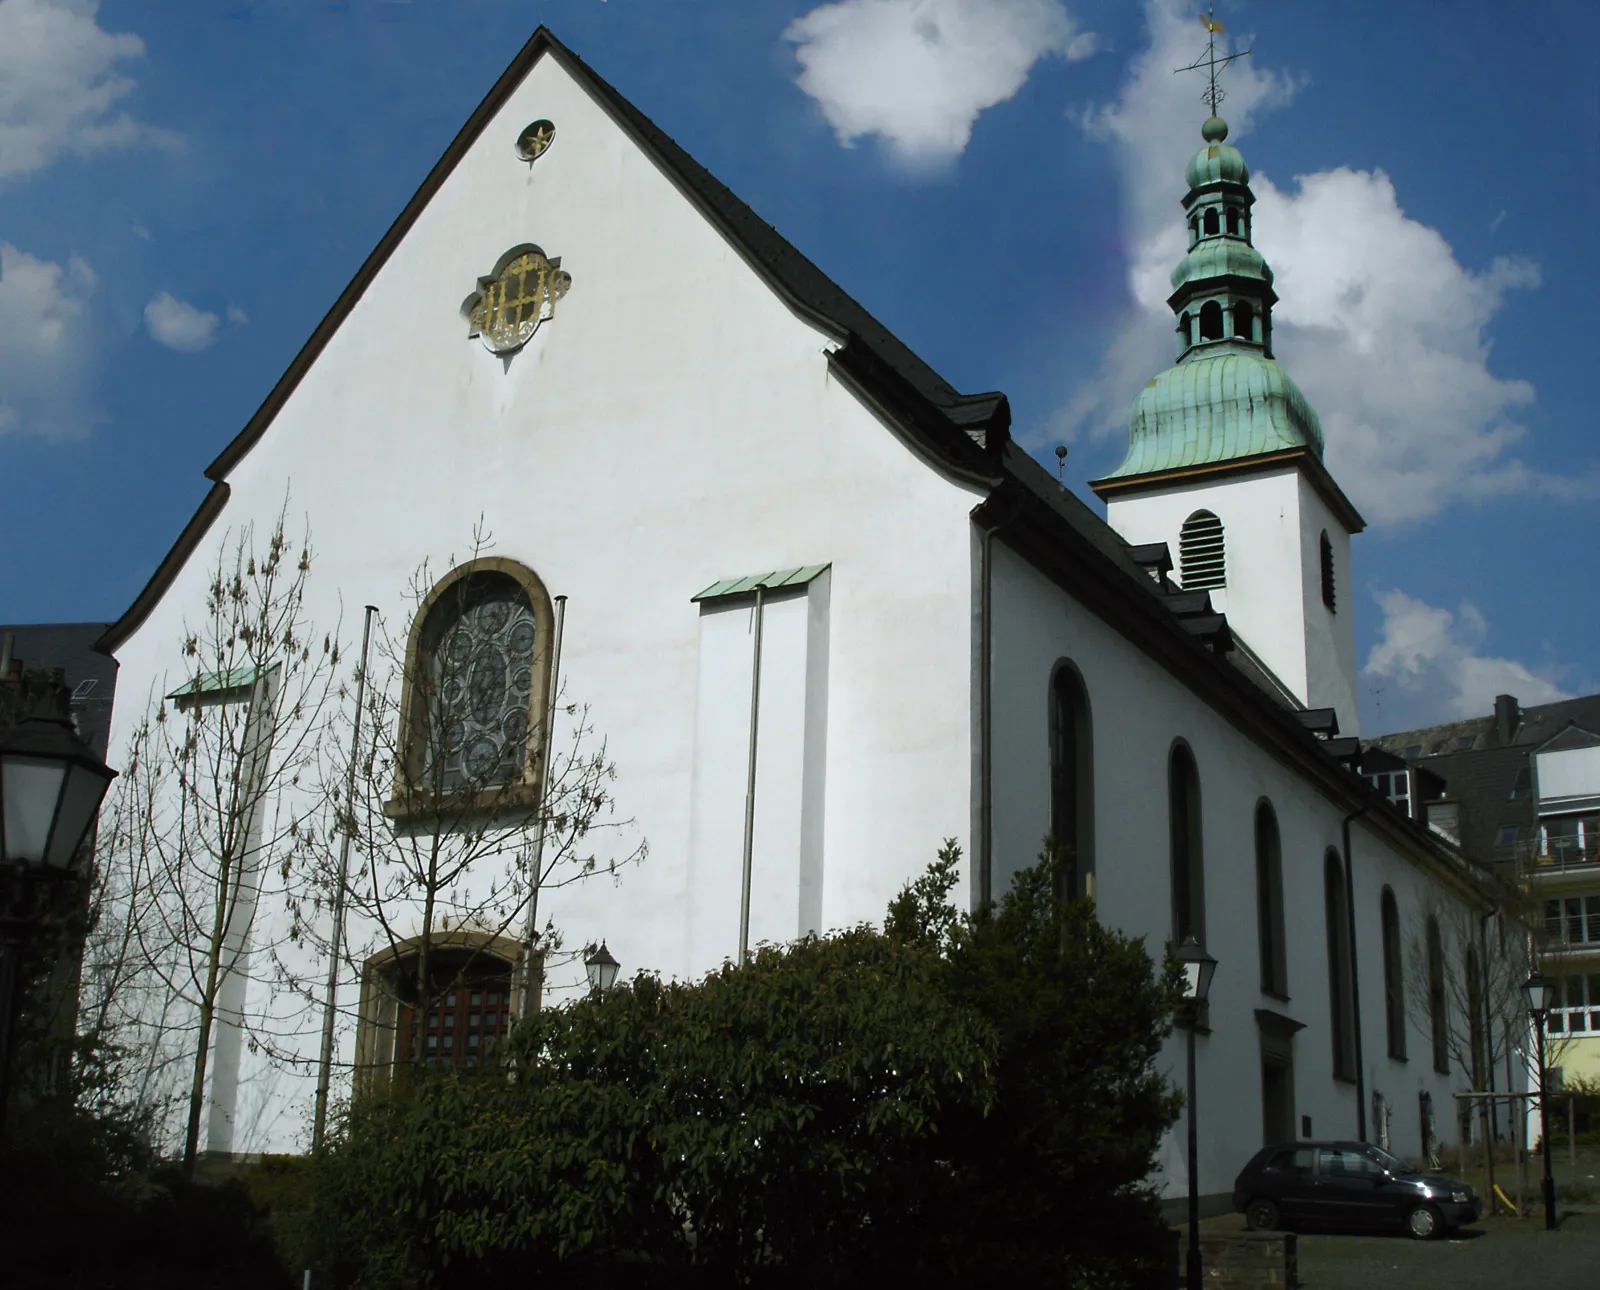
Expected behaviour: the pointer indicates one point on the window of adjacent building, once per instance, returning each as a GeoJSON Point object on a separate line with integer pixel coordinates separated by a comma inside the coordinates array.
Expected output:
{"type": "Point", "coordinates": [1396, 786]}
{"type": "Point", "coordinates": [1438, 1017]}
{"type": "Point", "coordinates": [1394, 998]}
{"type": "Point", "coordinates": [476, 679]}
{"type": "Point", "coordinates": [1508, 835]}
{"type": "Point", "coordinates": [1577, 1010]}
{"type": "Point", "coordinates": [1572, 920]}
{"type": "Point", "coordinates": [1329, 597]}
{"type": "Point", "coordinates": [1188, 863]}
{"type": "Point", "coordinates": [1072, 779]}
{"type": "Point", "coordinates": [1570, 837]}
{"type": "Point", "coordinates": [1341, 1008]}
{"type": "Point", "coordinates": [1411, 752]}
{"type": "Point", "coordinates": [1201, 557]}
{"type": "Point", "coordinates": [1521, 786]}
{"type": "Point", "coordinates": [1269, 903]}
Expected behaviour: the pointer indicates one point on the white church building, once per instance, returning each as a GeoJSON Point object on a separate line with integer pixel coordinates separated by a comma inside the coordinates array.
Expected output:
{"type": "Point", "coordinates": [656, 404]}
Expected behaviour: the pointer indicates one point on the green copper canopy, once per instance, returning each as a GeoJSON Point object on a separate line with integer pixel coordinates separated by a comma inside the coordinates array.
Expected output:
{"type": "Point", "coordinates": [1226, 398]}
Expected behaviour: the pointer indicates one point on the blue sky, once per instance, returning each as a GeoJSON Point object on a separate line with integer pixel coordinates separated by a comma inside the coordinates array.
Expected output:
{"type": "Point", "coordinates": [185, 189]}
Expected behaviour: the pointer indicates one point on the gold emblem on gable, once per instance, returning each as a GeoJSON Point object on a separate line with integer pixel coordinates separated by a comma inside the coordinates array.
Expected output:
{"type": "Point", "coordinates": [511, 302]}
{"type": "Point", "coordinates": [533, 141]}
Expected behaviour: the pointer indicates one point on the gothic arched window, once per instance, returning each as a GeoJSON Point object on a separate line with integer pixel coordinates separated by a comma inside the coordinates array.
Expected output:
{"type": "Point", "coordinates": [1394, 1003]}
{"type": "Point", "coordinates": [1269, 903]}
{"type": "Point", "coordinates": [1438, 1017]}
{"type": "Point", "coordinates": [1341, 1009]}
{"type": "Point", "coordinates": [1201, 558]}
{"type": "Point", "coordinates": [1188, 859]}
{"type": "Point", "coordinates": [1072, 778]}
{"type": "Point", "coordinates": [1211, 321]}
{"type": "Point", "coordinates": [476, 680]}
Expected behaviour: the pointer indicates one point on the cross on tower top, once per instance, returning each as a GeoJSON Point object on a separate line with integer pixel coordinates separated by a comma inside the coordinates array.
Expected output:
{"type": "Point", "coordinates": [1210, 61]}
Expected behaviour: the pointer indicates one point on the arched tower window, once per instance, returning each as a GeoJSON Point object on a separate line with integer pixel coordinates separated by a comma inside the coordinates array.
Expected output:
{"type": "Point", "coordinates": [1194, 231]}
{"type": "Point", "coordinates": [1244, 320]}
{"type": "Point", "coordinates": [1201, 558]}
{"type": "Point", "coordinates": [1329, 597]}
{"type": "Point", "coordinates": [1438, 1018]}
{"type": "Point", "coordinates": [1188, 860]}
{"type": "Point", "coordinates": [1211, 321]}
{"type": "Point", "coordinates": [1341, 1011]}
{"type": "Point", "coordinates": [1211, 224]}
{"type": "Point", "coordinates": [1072, 779]}
{"type": "Point", "coordinates": [1185, 331]}
{"type": "Point", "coordinates": [1394, 1001]}
{"type": "Point", "coordinates": [1233, 220]}
{"type": "Point", "coordinates": [475, 685]}
{"type": "Point", "coordinates": [1269, 903]}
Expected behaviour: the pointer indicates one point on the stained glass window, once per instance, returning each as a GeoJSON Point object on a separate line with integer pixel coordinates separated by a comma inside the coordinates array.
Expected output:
{"type": "Point", "coordinates": [479, 670]}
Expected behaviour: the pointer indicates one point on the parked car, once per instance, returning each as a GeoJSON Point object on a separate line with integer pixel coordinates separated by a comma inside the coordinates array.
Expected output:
{"type": "Point", "coordinates": [1348, 1184]}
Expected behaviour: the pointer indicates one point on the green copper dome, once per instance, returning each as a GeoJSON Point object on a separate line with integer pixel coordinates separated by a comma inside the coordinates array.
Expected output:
{"type": "Point", "coordinates": [1226, 398]}
{"type": "Point", "coordinates": [1219, 257]}
{"type": "Point", "coordinates": [1217, 408]}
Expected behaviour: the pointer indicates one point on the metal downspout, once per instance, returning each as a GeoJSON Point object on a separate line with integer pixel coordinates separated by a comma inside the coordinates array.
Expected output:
{"type": "Point", "coordinates": [985, 839]}
{"type": "Point", "coordinates": [1355, 975]}
{"type": "Point", "coordinates": [319, 1121]}
{"type": "Point", "coordinates": [750, 783]}
{"type": "Point", "coordinates": [530, 935]}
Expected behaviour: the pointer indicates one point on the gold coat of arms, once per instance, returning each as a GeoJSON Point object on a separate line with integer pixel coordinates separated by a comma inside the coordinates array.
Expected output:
{"type": "Point", "coordinates": [511, 302]}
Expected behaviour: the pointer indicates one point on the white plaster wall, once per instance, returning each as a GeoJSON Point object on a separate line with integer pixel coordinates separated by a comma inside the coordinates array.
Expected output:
{"type": "Point", "coordinates": [673, 424]}
{"type": "Point", "coordinates": [1330, 638]}
{"type": "Point", "coordinates": [1138, 709]}
{"type": "Point", "coordinates": [1271, 525]}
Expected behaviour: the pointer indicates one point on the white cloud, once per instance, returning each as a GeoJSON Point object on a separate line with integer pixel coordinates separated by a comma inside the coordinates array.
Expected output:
{"type": "Point", "coordinates": [45, 349]}
{"type": "Point", "coordinates": [1379, 323]}
{"type": "Point", "coordinates": [179, 325]}
{"type": "Point", "coordinates": [918, 72]}
{"type": "Point", "coordinates": [59, 84]}
{"type": "Point", "coordinates": [237, 316]}
{"type": "Point", "coordinates": [1426, 667]}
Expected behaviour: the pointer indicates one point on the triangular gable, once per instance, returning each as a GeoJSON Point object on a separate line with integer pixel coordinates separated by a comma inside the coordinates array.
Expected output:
{"type": "Point", "coordinates": [1572, 737]}
{"type": "Point", "coordinates": [952, 424]}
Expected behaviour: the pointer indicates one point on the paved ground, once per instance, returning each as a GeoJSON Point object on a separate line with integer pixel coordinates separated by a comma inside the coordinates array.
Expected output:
{"type": "Point", "coordinates": [1496, 1254]}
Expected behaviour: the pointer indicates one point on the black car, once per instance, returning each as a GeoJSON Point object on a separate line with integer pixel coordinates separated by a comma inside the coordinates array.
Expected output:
{"type": "Point", "coordinates": [1348, 1184]}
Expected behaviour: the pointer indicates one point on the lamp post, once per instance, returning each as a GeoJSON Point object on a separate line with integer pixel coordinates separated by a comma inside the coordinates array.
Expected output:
{"type": "Point", "coordinates": [1540, 993]}
{"type": "Point", "coordinates": [51, 786]}
{"type": "Point", "coordinates": [601, 967]}
{"type": "Point", "coordinates": [1198, 968]}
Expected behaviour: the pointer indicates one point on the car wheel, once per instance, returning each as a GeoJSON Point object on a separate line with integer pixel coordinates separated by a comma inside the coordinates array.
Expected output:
{"type": "Point", "coordinates": [1424, 1222]}
{"type": "Point", "coordinates": [1261, 1215]}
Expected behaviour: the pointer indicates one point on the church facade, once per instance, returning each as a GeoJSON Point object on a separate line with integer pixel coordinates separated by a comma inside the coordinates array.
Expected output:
{"type": "Point", "coordinates": [703, 465]}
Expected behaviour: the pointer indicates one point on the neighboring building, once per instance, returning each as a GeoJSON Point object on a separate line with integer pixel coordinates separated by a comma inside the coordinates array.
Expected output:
{"type": "Point", "coordinates": [675, 406]}
{"type": "Point", "coordinates": [1521, 788]}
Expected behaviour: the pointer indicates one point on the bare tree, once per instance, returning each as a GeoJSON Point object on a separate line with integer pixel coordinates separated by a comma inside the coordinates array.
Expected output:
{"type": "Point", "coordinates": [208, 809]}
{"type": "Point", "coordinates": [471, 793]}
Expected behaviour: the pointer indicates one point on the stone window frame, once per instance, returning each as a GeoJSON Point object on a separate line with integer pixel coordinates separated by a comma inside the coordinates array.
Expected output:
{"type": "Point", "coordinates": [410, 802]}
{"type": "Point", "coordinates": [378, 1011]}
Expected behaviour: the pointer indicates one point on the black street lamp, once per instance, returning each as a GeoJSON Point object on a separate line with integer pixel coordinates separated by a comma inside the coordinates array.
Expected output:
{"type": "Point", "coordinates": [1198, 969]}
{"type": "Point", "coordinates": [1541, 996]}
{"type": "Point", "coordinates": [601, 967]}
{"type": "Point", "coordinates": [51, 787]}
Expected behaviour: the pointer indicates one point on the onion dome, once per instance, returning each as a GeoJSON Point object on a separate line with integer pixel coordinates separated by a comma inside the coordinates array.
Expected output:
{"type": "Point", "coordinates": [1226, 398]}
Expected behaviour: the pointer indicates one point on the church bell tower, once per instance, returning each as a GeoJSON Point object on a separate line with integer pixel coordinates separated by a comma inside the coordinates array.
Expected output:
{"type": "Point", "coordinates": [1224, 458]}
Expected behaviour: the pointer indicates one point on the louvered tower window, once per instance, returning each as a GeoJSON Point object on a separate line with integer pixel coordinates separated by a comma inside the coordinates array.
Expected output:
{"type": "Point", "coordinates": [1200, 552]}
{"type": "Point", "coordinates": [1328, 596]}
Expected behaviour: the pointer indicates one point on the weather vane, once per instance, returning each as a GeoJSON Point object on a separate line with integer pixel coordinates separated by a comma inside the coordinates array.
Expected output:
{"type": "Point", "coordinates": [1210, 61]}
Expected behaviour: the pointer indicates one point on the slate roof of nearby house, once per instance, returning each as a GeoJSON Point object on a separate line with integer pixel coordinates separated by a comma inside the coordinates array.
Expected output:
{"type": "Point", "coordinates": [89, 673]}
